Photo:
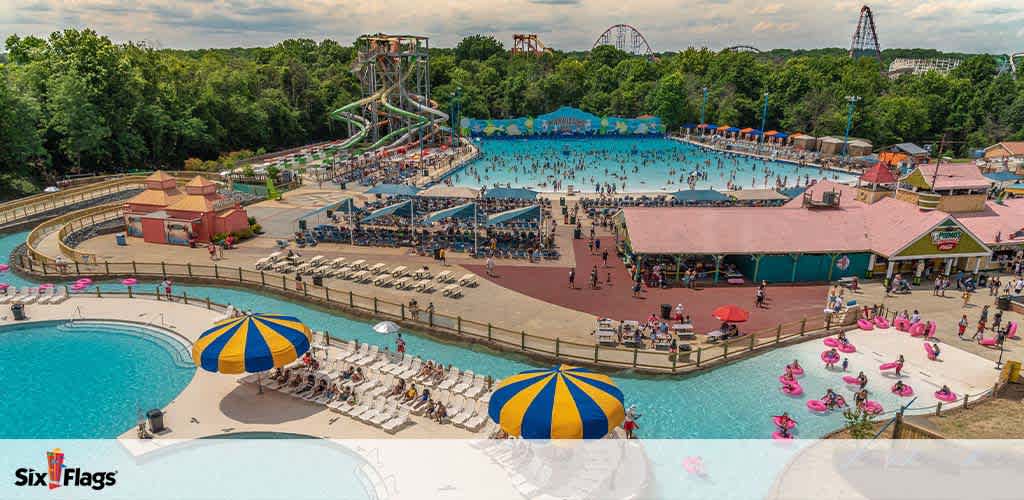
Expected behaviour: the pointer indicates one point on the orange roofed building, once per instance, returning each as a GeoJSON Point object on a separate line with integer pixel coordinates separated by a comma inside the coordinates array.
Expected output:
{"type": "Point", "coordinates": [163, 214]}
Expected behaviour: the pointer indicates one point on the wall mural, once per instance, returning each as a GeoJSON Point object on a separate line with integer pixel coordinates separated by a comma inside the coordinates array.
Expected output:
{"type": "Point", "coordinates": [563, 121]}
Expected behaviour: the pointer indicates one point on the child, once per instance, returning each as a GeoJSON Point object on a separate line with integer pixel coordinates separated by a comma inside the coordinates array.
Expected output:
{"type": "Point", "coordinates": [981, 330]}
{"type": "Point", "coordinates": [846, 363]}
{"type": "Point", "coordinates": [962, 326]}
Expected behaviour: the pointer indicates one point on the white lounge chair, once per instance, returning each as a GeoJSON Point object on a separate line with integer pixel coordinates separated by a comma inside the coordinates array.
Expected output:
{"type": "Point", "coordinates": [338, 262]}
{"type": "Point", "coordinates": [453, 378]}
{"type": "Point", "coordinates": [476, 388]}
{"type": "Point", "coordinates": [315, 261]}
{"type": "Point", "coordinates": [468, 280]}
{"type": "Point", "coordinates": [402, 283]}
{"type": "Point", "coordinates": [398, 367]}
{"type": "Point", "coordinates": [475, 423]}
{"type": "Point", "coordinates": [368, 406]}
{"type": "Point", "coordinates": [388, 413]}
{"type": "Point", "coordinates": [445, 277]}
{"type": "Point", "coordinates": [469, 409]}
{"type": "Point", "coordinates": [378, 268]}
{"type": "Point", "coordinates": [263, 263]}
{"type": "Point", "coordinates": [370, 357]}
{"type": "Point", "coordinates": [412, 370]}
{"type": "Point", "coordinates": [383, 280]}
{"type": "Point", "coordinates": [392, 426]}
{"type": "Point", "coordinates": [399, 271]}
{"type": "Point", "coordinates": [452, 291]}
{"type": "Point", "coordinates": [425, 286]}
{"type": "Point", "coordinates": [467, 380]}
{"type": "Point", "coordinates": [358, 264]}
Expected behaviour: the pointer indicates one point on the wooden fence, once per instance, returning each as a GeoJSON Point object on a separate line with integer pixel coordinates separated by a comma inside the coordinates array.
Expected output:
{"type": "Point", "coordinates": [486, 332]}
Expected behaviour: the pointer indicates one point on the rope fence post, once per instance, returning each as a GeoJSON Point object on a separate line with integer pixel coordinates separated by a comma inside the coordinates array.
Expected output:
{"type": "Point", "coordinates": [938, 408]}
{"type": "Point", "coordinates": [240, 280]}
{"type": "Point", "coordinates": [351, 300]}
{"type": "Point", "coordinates": [778, 333]}
{"type": "Point", "coordinates": [263, 279]}
{"type": "Point", "coordinates": [135, 270]}
{"type": "Point", "coordinates": [522, 340]}
{"type": "Point", "coordinates": [558, 342]}
{"type": "Point", "coordinates": [375, 305]}
{"type": "Point", "coordinates": [78, 271]}
{"type": "Point", "coordinates": [725, 350]}
{"type": "Point", "coordinates": [700, 350]}
{"type": "Point", "coordinates": [188, 267]}
{"type": "Point", "coordinates": [803, 326]}
{"type": "Point", "coordinates": [184, 296]}
{"type": "Point", "coordinates": [597, 348]}
{"type": "Point", "coordinates": [106, 266]}
{"type": "Point", "coordinates": [489, 336]}
{"type": "Point", "coordinates": [636, 353]}
{"type": "Point", "coordinates": [458, 325]}
{"type": "Point", "coordinates": [208, 305]}
{"type": "Point", "coordinates": [753, 338]}
{"type": "Point", "coordinates": [216, 271]}
{"type": "Point", "coordinates": [163, 269]}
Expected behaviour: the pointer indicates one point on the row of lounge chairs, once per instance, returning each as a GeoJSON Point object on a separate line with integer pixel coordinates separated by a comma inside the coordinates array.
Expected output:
{"type": "Point", "coordinates": [33, 296]}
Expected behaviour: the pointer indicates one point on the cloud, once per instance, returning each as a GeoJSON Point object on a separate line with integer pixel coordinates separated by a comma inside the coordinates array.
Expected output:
{"type": "Point", "coordinates": [765, 26]}
{"type": "Point", "coordinates": [556, 2]}
{"type": "Point", "coordinates": [773, 8]}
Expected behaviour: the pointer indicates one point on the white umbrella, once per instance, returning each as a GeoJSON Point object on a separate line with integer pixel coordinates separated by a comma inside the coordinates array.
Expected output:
{"type": "Point", "coordinates": [386, 327]}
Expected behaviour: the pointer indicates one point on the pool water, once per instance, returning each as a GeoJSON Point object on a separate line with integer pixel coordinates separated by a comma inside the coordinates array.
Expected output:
{"type": "Point", "coordinates": [733, 401]}
{"type": "Point", "coordinates": [87, 381]}
{"type": "Point", "coordinates": [630, 164]}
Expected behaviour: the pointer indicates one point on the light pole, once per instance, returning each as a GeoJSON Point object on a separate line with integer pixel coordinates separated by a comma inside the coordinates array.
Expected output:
{"type": "Point", "coordinates": [703, 104]}
{"type": "Point", "coordinates": [764, 115]}
{"type": "Point", "coordinates": [456, 99]}
{"type": "Point", "coordinates": [851, 105]}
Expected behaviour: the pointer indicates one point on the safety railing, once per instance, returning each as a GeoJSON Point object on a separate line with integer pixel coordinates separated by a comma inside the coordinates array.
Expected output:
{"type": "Point", "coordinates": [484, 332]}
{"type": "Point", "coordinates": [64, 225]}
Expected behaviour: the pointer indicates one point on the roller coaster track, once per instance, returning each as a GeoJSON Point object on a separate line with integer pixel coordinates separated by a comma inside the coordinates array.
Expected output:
{"type": "Point", "coordinates": [1013, 64]}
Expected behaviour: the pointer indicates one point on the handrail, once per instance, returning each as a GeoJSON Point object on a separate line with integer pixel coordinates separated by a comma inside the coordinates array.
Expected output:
{"type": "Point", "coordinates": [495, 336]}
{"type": "Point", "coordinates": [58, 224]}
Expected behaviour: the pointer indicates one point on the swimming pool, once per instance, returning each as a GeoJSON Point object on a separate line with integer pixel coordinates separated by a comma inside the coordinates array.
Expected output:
{"type": "Point", "coordinates": [733, 401]}
{"type": "Point", "coordinates": [630, 164]}
{"type": "Point", "coordinates": [90, 380]}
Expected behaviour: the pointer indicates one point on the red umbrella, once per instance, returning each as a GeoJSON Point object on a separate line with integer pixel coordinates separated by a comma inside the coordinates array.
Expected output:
{"type": "Point", "coordinates": [731, 313]}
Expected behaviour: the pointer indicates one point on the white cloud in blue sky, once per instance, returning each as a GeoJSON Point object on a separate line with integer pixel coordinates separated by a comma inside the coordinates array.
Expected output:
{"type": "Point", "coordinates": [969, 26]}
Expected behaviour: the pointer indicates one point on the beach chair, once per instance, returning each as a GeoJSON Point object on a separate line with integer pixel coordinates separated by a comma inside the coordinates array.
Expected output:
{"type": "Point", "coordinates": [423, 274]}
{"type": "Point", "coordinates": [452, 291]}
{"type": "Point", "coordinates": [468, 280]}
{"type": "Point", "coordinates": [396, 424]}
{"type": "Point", "coordinates": [378, 268]}
{"type": "Point", "coordinates": [399, 271]}
{"type": "Point", "coordinates": [263, 263]}
{"type": "Point", "coordinates": [359, 264]}
{"type": "Point", "coordinates": [315, 261]}
{"type": "Point", "coordinates": [412, 370]}
{"type": "Point", "coordinates": [363, 350]}
{"type": "Point", "coordinates": [405, 363]}
{"type": "Point", "coordinates": [370, 405]}
{"type": "Point", "coordinates": [369, 358]}
{"type": "Point", "coordinates": [340, 261]}
{"type": "Point", "coordinates": [474, 424]}
{"type": "Point", "coordinates": [445, 277]}
{"type": "Point", "coordinates": [453, 377]}
{"type": "Point", "coordinates": [383, 280]}
{"type": "Point", "coordinates": [362, 277]}
{"type": "Point", "coordinates": [56, 297]}
{"type": "Point", "coordinates": [8, 295]}
{"type": "Point", "coordinates": [402, 283]}
{"type": "Point", "coordinates": [469, 409]}
{"type": "Point", "coordinates": [454, 405]}
{"type": "Point", "coordinates": [467, 380]}
{"type": "Point", "coordinates": [274, 256]}
{"type": "Point", "coordinates": [477, 388]}
{"type": "Point", "coordinates": [30, 297]}
{"type": "Point", "coordinates": [389, 412]}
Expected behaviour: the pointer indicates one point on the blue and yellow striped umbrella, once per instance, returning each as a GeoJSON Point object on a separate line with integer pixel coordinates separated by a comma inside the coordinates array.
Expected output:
{"type": "Point", "coordinates": [251, 343]}
{"type": "Point", "coordinates": [564, 402]}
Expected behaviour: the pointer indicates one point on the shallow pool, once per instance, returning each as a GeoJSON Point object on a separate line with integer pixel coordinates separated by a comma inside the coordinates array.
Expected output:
{"type": "Point", "coordinates": [734, 401]}
{"type": "Point", "coordinates": [630, 164]}
{"type": "Point", "coordinates": [86, 381]}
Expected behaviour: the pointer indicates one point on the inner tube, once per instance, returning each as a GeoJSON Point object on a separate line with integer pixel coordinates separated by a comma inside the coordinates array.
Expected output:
{"type": "Point", "coordinates": [947, 397]}
{"type": "Point", "coordinates": [847, 348]}
{"type": "Point", "coordinates": [797, 370]}
{"type": "Point", "coordinates": [850, 379]}
{"type": "Point", "coordinates": [888, 366]}
{"type": "Point", "coordinates": [931, 352]}
{"type": "Point", "coordinates": [778, 422]}
{"type": "Point", "coordinates": [1012, 332]}
{"type": "Point", "coordinates": [831, 342]}
{"type": "Point", "coordinates": [881, 322]}
{"type": "Point", "coordinates": [792, 389]}
{"type": "Point", "coordinates": [694, 466]}
{"type": "Point", "coordinates": [902, 324]}
{"type": "Point", "coordinates": [872, 407]}
{"type": "Point", "coordinates": [778, 436]}
{"type": "Point", "coordinates": [864, 324]}
{"type": "Point", "coordinates": [917, 329]}
{"type": "Point", "coordinates": [988, 342]}
{"type": "Point", "coordinates": [930, 331]}
{"type": "Point", "coordinates": [782, 379]}
{"type": "Point", "coordinates": [828, 357]}
{"type": "Point", "coordinates": [817, 405]}
{"type": "Point", "coordinates": [906, 392]}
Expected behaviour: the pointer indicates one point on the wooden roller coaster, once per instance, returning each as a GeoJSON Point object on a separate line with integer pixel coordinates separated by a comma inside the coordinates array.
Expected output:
{"type": "Point", "coordinates": [528, 43]}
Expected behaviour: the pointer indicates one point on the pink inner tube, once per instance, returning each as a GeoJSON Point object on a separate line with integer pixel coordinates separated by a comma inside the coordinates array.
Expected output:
{"type": "Point", "coordinates": [847, 348]}
{"type": "Point", "coordinates": [129, 281]}
{"type": "Point", "coordinates": [872, 407]}
{"type": "Point", "coordinates": [778, 422]}
{"type": "Point", "coordinates": [881, 322]}
{"type": "Point", "coordinates": [850, 379]}
{"type": "Point", "coordinates": [817, 405]}
{"type": "Point", "coordinates": [947, 397]}
{"type": "Point", "coordinates": [865, 324]}
{"type": "Point", "coordinates": [827, 357]}
{"type": "Point", "coordinates": [4, 267]}
{"type": "Point", "coordinates": [917, 329]}
{"type": "Point", "coordinates": [1012, 333]}
{"type": "Point", "coordinates": [778, 436]}
{"type": "Point", "coordinates": [797, 370]}
{"type": "Point", "coordinates": [694, 465]}
{"type": "Point", "coordinates": [782, 378]}
{"type": "Point", "coordinates": [901, 324]}
{"type": "Point", "coordinates": [907, 391]}
{"type": "Point", "coordinates": [4, 286]}
{"type": "Point", "coordinates": [792, 389]}
{"type": "Point", "coordinates": [87, 281]}
{"type": "Point", "coordinates": [46, 286]}
{"type": "Point", "coordinates": [928, 349]}
{"type": "Point", "coordinates": [888, 366]}
{"type": "Point", "coordinates": [930, 331]}
{"type": "Point", "coordinates": [831, 342]}
{"type": "Point", "coordinates": [991, 341]}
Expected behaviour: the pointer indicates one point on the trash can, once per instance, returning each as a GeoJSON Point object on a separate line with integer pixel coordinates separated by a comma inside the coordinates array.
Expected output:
{"type": "Point", "coordinates": [577, 233]}
{"type": "Point", "coordinates": [156, 420]}
{"type": "Point", "coordinates": [121, 240]}
{"type": "Point", "coordinates": [572, 219]}
{"type": "Point", "coordinates": [1003, 303]}
{"type": "Point", "coordinates": [302, 224]}
{"type": "Point", "coordinates": [666, 311]}
{"type": "Point", "coordinates": [318, 280]}
{"type": "Point", "coordinates": [18, 311]}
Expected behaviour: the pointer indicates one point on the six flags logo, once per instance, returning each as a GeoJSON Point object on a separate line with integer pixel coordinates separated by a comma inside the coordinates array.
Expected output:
{"type": "Point", "coordinates": [57, 474]}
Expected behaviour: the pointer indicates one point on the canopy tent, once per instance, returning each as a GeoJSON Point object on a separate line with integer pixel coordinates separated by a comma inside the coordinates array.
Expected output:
{"type": "Point", "coordinates": [1003, 176]}
{"type": "Point", "coordinates": [711, 126]}
{"type": "Point", "coordinates": [442, 191]}
{"type": "Point", "coordinates": [510, 194]}
{"type": "Point", "coordinates": [792, 192]}
{"type": "Point", "coordinates": [746, 130]}
{"type": "Point", "coordinates": [781, 135]}
{"type": "Point", "coordinates": [401, 209]}
{"type": "Point", "coordinates": [771, 133]}
{"type": "Point", "coordinates": [313, 218]}
{"type": "Point", "coordinates": [689, 126]}
{"type": "Point", "coordinates": [464, 211]}
{"type": "Point", "coordinates": [723, 128]}
{"type": "Point", "coordinates": [732, 130]}
{"type": "Point", "coordinates": [531, 212]}
{"type": "Point", "coordinates": [394, 189]}
{"type": "Point", "coordinates": [700, 195]}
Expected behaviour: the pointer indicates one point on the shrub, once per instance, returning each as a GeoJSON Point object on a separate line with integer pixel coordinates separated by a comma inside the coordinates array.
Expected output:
{"type": "Point", "coordinates": [252, 220]}
{"type": "Point", "coordinates": [193, 164]}
{"type": "Point", "coordinates": [859, 423]}
{"type": "Point", "coordinates": [219, 237]}
{"type": "Point", "coordinates": [256, 228]}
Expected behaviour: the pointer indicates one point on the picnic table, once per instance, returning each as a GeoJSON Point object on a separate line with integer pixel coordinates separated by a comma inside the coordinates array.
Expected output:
{"type": "Point", "coordinates": [684, 330]}
{"type": "Point", "coordinates": [715, 335]}
{"type": "Point", "coordinates": [606, 336]}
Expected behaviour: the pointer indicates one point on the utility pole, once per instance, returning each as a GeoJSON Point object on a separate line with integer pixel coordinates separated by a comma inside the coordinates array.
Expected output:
{"type": "Point", "coordinates": [456, 100]}
{"type": "Point", "coordinates": [764, 115]}
{"type": "Point", "coordinates": [703, 104]}
{"type": "Point", "coordinates": [942, 145]}
{"type": "Point", "coordinates": [852, 104]}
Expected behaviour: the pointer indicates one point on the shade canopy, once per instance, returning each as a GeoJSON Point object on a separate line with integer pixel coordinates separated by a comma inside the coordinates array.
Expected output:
{"type": "Point", "coordinates": [564, 402]}
{"type": "Point", "coordinates": [394, 189]}
{"type": "Point", "coordinates": [1003, 176]}
{"type": "Point", "coordinates": [731, 313]}
{"type": "Point", "coordinates": [781, 135]}
{"type": "Point", "coordinates": [511, 194]}
{"type": "Point", "coordinates": [732, 129]}
{"type": "Point", "coordinates": [401, 209]}
{"type": "Point", "coordinates": [464, 211]}
{"type": "Point", "coordinates": [700, 195]}
{"type": "Point", "coordinates": [792, 192]}
{"type": "Point", "coordinates": [710, 126]}
{"type": "Point", "coordinates": [529, 213]}
{"type": "Point", "coordinates": [251, 343]}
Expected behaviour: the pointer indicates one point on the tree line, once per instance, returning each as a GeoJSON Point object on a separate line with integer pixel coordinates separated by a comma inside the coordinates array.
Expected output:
{"type": "Point", "coordinates": [76, 102]}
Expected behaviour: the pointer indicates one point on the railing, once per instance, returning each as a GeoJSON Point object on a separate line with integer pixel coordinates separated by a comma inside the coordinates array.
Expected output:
{"type": "Point", "coordinates": [488, 333]}
{"type": "Point", "coordinates": [65, 224]}
{"type": "Point", "coordinates": [22, 208]}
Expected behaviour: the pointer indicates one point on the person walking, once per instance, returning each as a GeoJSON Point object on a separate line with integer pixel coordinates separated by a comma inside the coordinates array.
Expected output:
{"type": "Point", "coordinates": [572, 278]}
{"type": "Point", "coordinates": [961, 327]}
{"type": "Point", "coordinates": [490, 265]}
{"type": "Point", "coordinates": [399, 344]}
{"type": "Point", "coordinates": [604, 257]}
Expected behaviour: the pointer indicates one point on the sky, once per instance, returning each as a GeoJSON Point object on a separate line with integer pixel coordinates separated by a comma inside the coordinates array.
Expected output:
{"type": "Point", "coordinates": [995, 26]}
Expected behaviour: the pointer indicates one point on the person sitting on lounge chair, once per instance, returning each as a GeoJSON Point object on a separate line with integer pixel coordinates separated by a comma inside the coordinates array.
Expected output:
{"type": "Point", "coordinates": [321, 386]}
{"type": "Point", "coordinates": [358, 377]}
{"type": "Point", "coordinates": [397, 389]}
{"type": "Point", "coordinates": [310, 382]}
{"type": "Point", "coordinates": [296, 380]}
{"type": "Point", "coordinates": [332, 392]}
{"type": "Point", "coordinates": [410, 394]}
{"type": "Point", "coordinates": [440, 413]}
{"type": "Point", "coordinates": [426, 369]}
{"type": "Point", "coordinates": [348, 372]}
